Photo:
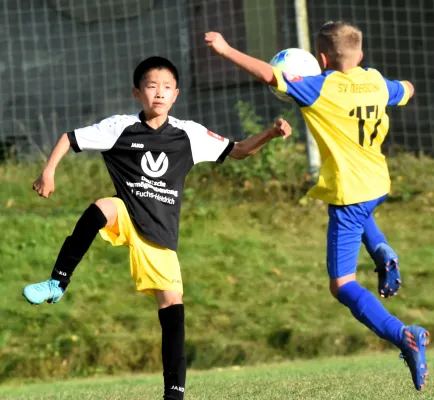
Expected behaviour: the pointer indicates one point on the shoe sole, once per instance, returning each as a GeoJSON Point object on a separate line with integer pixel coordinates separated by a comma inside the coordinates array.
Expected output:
{"type": "Point", "coordinates": [419, 346]}
{"type": "Point", "coordinates": [390, 283]}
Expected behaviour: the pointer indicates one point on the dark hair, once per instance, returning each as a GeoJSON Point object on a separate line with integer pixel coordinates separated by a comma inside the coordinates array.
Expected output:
{"type": "Point", "coordinates": [153, 63]}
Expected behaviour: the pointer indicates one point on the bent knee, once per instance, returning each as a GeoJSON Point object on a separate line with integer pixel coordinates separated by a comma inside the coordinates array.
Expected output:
{"type": "Point", "coordinates": [334, 289]}
{"type": "Point", "coordinates": [336, 284]}
{"type": "Point", "coordinates": [109, 209]}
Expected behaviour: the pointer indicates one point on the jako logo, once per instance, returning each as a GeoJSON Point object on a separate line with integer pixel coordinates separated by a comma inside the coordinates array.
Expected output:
{"type": "Point", "coordinates": [155, 168]}
{"type": "Point", "coordinates": [178, 388]}
{"type": "Point", "coordinates": [137, 145]}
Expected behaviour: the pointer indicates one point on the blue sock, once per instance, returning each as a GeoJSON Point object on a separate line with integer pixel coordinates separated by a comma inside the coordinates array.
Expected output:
{"type": "Point", "coordinates": [370, 312]}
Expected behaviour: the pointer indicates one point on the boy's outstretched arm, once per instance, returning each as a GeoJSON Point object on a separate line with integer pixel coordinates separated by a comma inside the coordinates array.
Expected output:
{"type": "Point", "coordinates": [259, 69]}
{"type": "Point", "coordinates": [410, 88]}
{"type": "Point", "coordinates": [44, 185]}
{"type": "Point", "coordinates": [251, 145]}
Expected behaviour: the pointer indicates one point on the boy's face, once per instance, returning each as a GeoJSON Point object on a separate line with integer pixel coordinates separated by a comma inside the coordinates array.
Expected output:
{"type": "Point", "coordinates": [157, 92]}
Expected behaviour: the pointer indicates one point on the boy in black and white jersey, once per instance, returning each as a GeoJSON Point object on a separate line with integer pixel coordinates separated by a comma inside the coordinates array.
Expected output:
{"type": "Point", "coordinates": [148, 157]}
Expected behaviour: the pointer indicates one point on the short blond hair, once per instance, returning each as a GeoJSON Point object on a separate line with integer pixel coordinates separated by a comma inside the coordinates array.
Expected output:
{"type": "Point", "coordinates": [341, 41]}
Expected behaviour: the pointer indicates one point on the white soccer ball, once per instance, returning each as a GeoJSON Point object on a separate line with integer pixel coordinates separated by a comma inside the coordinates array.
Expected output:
{"type": "Point", "coordinates": [294, 63]}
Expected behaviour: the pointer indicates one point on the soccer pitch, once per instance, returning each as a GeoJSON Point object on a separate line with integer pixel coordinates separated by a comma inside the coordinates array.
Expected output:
{"type": "Point", "coordinates": [370, 376]}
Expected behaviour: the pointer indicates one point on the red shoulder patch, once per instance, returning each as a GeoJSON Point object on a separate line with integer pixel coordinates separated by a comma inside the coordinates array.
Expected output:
{"type": "Point", "coordinates": [293, 78]}
{"type": "Point", "coordinates": [215, 136]}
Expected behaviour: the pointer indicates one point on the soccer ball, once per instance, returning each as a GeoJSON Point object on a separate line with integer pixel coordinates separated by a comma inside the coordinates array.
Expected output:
{"type": "Point", "coordinates": [294, 63]}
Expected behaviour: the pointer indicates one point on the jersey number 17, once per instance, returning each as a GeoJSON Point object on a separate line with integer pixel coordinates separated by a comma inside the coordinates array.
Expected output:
{"type": "Point", "coordinates": [358, 112]}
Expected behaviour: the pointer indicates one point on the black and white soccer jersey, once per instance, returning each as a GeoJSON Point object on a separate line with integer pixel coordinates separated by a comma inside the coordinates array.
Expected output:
{"type": "Point", "coordinates": [148, 166]}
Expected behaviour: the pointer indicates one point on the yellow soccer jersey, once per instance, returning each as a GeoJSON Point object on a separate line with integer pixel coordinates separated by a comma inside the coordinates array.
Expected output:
{"type": "Point", "coordinates": [346, 113]}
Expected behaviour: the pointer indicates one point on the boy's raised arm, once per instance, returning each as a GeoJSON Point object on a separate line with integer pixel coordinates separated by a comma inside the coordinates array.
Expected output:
{"type": "Point", "coordinates": [44, 185]}
{"type": "Point", "coordinates": [253, 144]}
{"type": "Point", "coordinates": [259, 69]}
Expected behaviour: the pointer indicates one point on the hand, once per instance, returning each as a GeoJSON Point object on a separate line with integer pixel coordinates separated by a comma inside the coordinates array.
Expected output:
{"type": "Point", "coordinates": [282, 128]}
{"type": "Point", "coordinates": [44, 185]}
{"type": "Point", "coordinates": [217, 42]}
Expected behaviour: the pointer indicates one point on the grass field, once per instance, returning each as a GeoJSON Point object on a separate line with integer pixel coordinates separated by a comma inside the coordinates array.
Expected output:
{"type": "Point", "coordinates": [363, 377]}
{"type": "Point", "coordinates": [253, 262]}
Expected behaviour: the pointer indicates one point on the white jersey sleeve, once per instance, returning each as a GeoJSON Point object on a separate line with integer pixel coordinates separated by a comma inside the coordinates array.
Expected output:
{"type": "Point", "coordinates": [101, 136]}
{"type": "Point", "coordinates": [206, 145]}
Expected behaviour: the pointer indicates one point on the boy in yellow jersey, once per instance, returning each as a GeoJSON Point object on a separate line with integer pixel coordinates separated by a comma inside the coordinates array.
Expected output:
{"type": "Point", "coordinates": [345, 109]}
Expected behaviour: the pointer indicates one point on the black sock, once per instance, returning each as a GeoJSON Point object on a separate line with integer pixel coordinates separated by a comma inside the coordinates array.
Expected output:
{"type": "Point", "coordinates": [174, 363]}
{"type": "Point", "coordinates": [76, 245]}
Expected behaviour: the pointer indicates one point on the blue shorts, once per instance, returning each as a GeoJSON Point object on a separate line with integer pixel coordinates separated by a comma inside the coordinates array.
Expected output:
{"type": "Point", "coordinates": [347, 226]}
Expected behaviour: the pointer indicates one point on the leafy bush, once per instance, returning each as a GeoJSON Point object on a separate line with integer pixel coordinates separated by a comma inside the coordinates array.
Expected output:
{"type": "Point", "coordinates": [280, 166]}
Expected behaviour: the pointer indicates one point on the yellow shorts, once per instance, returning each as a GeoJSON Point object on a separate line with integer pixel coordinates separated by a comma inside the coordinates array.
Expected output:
{"type": "Point", "coordinates": [153, 267]}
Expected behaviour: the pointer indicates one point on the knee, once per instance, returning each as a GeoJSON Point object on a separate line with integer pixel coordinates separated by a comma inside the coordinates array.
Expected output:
{"type": "Point", "coordinates": [108, 208]}
{"type": "Point", "coordinates": [336, 284]}
{"type": "Point", "coordinates": [334, 288]}
{"type": "Point", "coordinates": [167, 298]}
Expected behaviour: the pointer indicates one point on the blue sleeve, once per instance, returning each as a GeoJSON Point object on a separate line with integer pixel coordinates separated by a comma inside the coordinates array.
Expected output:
{"type": "Point", "coordinates": [398, 93]}
{"type": "Point", "coordinates": [304, 90]}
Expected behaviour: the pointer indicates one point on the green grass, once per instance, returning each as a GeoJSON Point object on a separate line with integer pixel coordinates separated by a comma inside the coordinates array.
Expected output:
{"type": "Point", "coordinates": [363, 377]}
{"type": "Point", "coordinates": [253, 263]}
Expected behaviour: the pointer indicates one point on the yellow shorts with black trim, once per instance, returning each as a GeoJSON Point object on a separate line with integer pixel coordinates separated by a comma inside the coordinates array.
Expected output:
{"type": "Point", "coordinates": [153, 267]}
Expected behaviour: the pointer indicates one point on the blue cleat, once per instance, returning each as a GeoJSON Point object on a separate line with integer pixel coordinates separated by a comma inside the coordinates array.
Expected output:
{"type": "Point", "coordinates": [389, 278]}
{"type": "Point", "coordinates": [44, 291]}
{"type": "Point", "coordinates": [415, 340]}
